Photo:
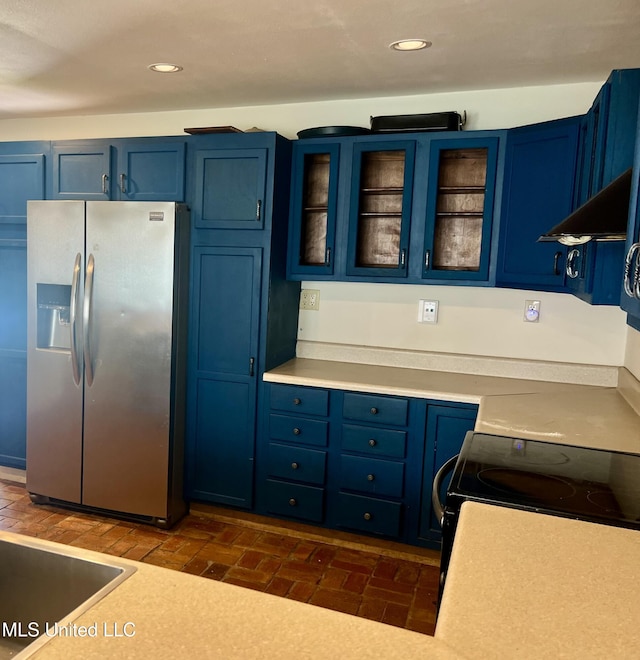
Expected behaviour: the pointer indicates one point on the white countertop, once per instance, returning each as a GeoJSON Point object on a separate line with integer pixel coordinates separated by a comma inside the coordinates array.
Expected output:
{"type": "Point", "coordinates": [528, 585]}
{"type": "Point", "coordinates": [585, 415]}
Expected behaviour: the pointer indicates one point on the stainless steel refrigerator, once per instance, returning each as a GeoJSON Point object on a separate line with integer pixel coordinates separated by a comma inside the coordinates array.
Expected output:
{"type": "Point", "coordinates": [106, 356]}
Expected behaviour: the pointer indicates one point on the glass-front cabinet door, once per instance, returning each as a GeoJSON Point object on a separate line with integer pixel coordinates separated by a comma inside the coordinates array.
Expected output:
{"type": "Point", "coordinates": [380, 208]}
{"type": "Point", "coordinates": [461, 186]}
{"type": "Point", "coordinates": [313, 209]}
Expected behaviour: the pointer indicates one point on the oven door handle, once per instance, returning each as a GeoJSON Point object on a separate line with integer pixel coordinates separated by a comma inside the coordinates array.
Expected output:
{"type": "Point", "coordinates": [438, 506]}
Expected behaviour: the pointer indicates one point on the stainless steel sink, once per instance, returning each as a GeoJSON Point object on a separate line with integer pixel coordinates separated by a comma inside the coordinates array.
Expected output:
{"type": "Point", "coordinates": [44, 587]}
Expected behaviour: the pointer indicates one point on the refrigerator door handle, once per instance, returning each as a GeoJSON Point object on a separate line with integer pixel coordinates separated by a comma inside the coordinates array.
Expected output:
{"type": "Point", "coordinates": [73, 319]}
{"type": "Point", "coordinates": [86, 316]}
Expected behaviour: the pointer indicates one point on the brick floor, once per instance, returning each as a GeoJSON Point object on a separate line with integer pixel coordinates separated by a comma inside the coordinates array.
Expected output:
{"type": "Point", "coordinates": [398, 592]}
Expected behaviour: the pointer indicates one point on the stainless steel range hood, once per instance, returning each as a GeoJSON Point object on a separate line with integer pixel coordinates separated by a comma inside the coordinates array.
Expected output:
{"type": "Point", "coordinates": [602, 218]}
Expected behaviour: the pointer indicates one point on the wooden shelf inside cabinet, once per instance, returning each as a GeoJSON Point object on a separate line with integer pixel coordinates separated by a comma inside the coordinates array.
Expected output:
{"type": "Point", "coordinates": [315, 209]}
{"type": "Point", "coordinates": [459, 215]}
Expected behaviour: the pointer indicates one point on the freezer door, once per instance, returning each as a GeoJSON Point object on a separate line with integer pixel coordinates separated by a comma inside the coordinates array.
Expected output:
{"type": "Point", "coordinates": [55, 271]}
{"type": "Point", "coordinates": [128, 339]}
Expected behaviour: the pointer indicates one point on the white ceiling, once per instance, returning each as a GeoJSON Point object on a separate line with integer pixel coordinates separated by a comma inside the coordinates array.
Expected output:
{"type": "Point", "coordinates": [73, 57]}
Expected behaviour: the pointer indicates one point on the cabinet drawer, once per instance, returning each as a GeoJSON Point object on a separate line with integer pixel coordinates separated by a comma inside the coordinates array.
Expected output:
{"type": "Point", "coordinates": [369, 515]}
{"type": "Point", "coordinates": [373, 441]}
{"type": "Point", "coordinates": [299, 430]}
{"type": "Point", "coordinates": [296, 463]}
{"type": "Point", "coordinates": [375, 409]}
{"type": "Point", "coordinates": [295, 500]}
{"type": "Point", "coordinates": [303, 400]}
{"type": "Point", "coordinates": [371, 475]}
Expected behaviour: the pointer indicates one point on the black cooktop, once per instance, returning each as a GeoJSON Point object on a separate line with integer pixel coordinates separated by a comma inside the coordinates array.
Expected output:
{"type": "Point", "coordinates": [579, 482]}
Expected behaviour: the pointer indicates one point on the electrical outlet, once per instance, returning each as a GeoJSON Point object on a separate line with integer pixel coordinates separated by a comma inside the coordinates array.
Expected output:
{"type": "Point", "coordinates": [428, 311]}
{"type": "Point", "coordinates": [531, 311]}
{"type": "Point", "coordinates": [310, 299]}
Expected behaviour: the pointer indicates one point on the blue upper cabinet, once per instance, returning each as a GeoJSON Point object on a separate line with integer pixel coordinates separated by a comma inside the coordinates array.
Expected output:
{"type": "Point", "coordinates": [380, 209]}
{"type": "Point", "coordinates": [605, 151]}
{"type": "Point", "coordinates": [151, 171]}
{"type": "Point", "coordinates": [22, 177]}
{"type": "Point", "coordinates": [538, 194]}
{"type": "Point", "coordinates": [231, 188]}
{"type": "Point", "coordinates": [144, 169]}
{"type": "Point", "coordinates": [630, 296]}
{"type": "Point", "coordinates": [460, 188]}
{"type": "Point", "coordinates": [314, 196]}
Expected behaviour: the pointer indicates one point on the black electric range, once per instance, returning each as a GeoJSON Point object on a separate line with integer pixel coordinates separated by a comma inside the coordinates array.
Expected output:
{"type": "Point", "coordinates": [596, 485]}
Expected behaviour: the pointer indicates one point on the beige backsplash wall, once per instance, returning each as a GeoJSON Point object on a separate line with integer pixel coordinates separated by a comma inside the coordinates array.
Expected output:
{"type": "Point", "coordinates": [474, 321]}
{"type": "Point", "coordinates": [632, 353]}
{"type": "Point", "coordinates": [471, 321]}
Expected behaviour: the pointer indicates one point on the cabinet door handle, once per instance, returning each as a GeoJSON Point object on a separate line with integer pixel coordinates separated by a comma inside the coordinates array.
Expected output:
{"type": "Point", "coordinates": [371, 477]}
{"type": "Point", "coordinates": [327, 257]}
{"type": "Point", "coordinates": [123, 186]}
{"type": "Point", "coordinates": [629, 285]}
{"type": "Point", "coordinates": [374, 411]}
{"type": "Point", "coordinates": [105, 179]}
{"type": "Point", "coordinates": [571, 269]}
{"type": "Point", "coordinates": [252, 362]}
{"type": "Point", "coordinates": [293, 502]}
{"type": "Point", "coordinates": [427, 258]}
{"type": "Point", "coordinates": [259, 210]}
{"type": "Point", "coordinates": [403, 257]}
{"type": "Point", "coordinates": [372, 443]}
{"type": "Point", "coordinates": [556, 263]}
{"type": "Point", "coordinates": [636, 279]}
{"type": "Point", "coordinates": [294, 466]}
{"type": "Point", "coordinates": [367, 516]}
{"type": "Point", "coordinates": [296, 431]}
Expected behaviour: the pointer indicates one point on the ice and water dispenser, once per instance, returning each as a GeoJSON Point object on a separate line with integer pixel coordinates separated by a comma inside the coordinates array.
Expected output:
{"type": "Point", "coordinates": [53, 316]}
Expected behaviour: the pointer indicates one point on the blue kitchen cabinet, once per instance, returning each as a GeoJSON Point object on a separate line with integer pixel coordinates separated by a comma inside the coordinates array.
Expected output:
{"type": "Point", "coordinates": [630, 290]}
{"type": "Point", "coordinates": [446, 427]}
{"type": "Point", "coordinates": [606, 150]}
{"type": "Point", "coordinates": [231, 188]}
{"type": "Point", "coordinates": [356, 461]}
{"type": "Point", "coordinates": [141, 169]}
{"type": "Point", "coordinates": [380, 204]}
{"type": "Point", "coordinates": [417, 208]}
{"type": "Point", "coordinates": [225, 327]}
{"type": "Point", "coordinates": [22, 177]}
{"type": "Point", "coordinates": [243, 311]}
{"type": "Point", "coordinates": [461, 188]}
{"type": "Point", "coordinates": [538, 194]}
{"type": "Point", "coordinates": [313, 214]}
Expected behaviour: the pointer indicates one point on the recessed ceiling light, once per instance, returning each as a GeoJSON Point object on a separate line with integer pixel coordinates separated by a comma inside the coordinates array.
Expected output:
{"type": "Point", "coordinates": [164, 68]}
{"type": "Point", "coordinates": [409, 44]}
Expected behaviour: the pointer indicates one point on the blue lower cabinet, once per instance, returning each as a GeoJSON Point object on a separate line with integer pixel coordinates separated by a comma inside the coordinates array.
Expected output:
{"type": "Point", "coordinates": [295, 500]}
{"type": "Point", "coordinates": [299, 430]}
{"type": "Point", "coordinates": [371, 475]}
{"type": "Point", "coordinates": [297, 463]}
{"type": "Point", "coordinates": [370, 515]}
{"type": "Point", "coordinates": [356, 461]}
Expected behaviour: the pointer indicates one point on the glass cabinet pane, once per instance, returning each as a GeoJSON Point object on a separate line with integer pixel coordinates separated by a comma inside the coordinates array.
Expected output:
{"type": "Point", "coordinates": [315, 209]}
{"type": "Point", "coordinates": [379, 222]}
{"type": "Point", "coordinates": [462, 178]}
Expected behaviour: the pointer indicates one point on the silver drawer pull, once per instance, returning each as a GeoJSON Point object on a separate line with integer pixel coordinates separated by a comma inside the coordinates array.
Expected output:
{"type": "Point", "coordinates": [296, 402]}
{"type": "Point", "coordinates": [296, 431]}
{"type": "Point", "coordinates": [374, 411]}
{"type": "Point", "coordinates": [367, 516]}
{"type": "Point", "coordinates": [294, 466]}
{"type": "Point", "coordinates": [371, 477]}
{"type": "Point", "coordinates": [293, 502]}
{"type": "Point", "coordinates": [372, 443]}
